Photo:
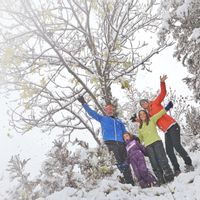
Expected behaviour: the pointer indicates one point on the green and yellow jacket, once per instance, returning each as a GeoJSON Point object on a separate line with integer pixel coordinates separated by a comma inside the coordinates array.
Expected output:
{"type": "Point", "coordinates": [148, 133]}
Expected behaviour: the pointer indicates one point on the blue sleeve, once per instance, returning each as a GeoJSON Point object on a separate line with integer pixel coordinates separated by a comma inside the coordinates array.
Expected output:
{"type": "Point", "coordinates": [92, 113]}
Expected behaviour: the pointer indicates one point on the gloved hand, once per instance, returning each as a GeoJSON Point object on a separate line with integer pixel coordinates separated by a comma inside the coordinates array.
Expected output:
{"type": "Point", "coordinates": [122, 167]}
{"type": "Point", "coordinates": [169, 106]}
{"type": "Point", "coordinates": [134, 118]}
{"type": "Point", "coordinates": [81, 100]}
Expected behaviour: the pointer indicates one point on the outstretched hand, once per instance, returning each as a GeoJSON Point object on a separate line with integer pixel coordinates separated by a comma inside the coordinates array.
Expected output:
{"type": "Point", "coordinates": [81, 100]}
{"type": "Point", "coordinates": [169, 106]}
{"type": "Point", "coordinates": [163, 78]}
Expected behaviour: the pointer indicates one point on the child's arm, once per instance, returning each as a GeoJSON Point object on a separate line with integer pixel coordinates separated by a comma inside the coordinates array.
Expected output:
{"type": "Point", "coordinates": [157, 116]}
{"type": "Point", "coordinates": [163, 91]}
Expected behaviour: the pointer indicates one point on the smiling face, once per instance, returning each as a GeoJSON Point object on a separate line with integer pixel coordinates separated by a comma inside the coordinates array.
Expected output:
{"type": "Point", "coordinates": [109, 110]}
{"type": "Point", "coordinates": [143, 116]}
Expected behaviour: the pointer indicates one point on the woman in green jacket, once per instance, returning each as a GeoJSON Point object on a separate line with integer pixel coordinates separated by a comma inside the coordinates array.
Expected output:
{"type": "Point", "coordinates": [154, 146]}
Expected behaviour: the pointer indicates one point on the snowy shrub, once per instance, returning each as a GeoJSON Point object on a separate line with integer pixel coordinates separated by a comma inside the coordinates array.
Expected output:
{"type": "Point", "coordinates": [23, 189]}
{"type": "Point", "coordinates": [98, 164]}
{"type": "Point", "coordinates": [62, 168]}
{"type": "Point", "coordinates": [58, 170]}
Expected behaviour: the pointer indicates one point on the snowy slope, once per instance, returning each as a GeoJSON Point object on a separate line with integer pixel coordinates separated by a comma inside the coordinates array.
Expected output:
{"type": "Point", "coordinates": [184, 187]}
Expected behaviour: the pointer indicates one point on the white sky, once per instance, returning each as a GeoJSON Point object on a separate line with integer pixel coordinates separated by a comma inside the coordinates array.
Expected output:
{"type": "Point", "coordinates": [164, 63]}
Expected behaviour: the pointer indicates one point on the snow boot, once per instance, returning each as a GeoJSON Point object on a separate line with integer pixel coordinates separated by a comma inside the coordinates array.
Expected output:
{"type": "Point", "coordinates": [177, 172]}
{"type": "Point", "coordinates": [189, 168]}
{"type": "Point", "coordinates": [161, 181]}
{"type": "Point", "coordinates": [168, 176]}
{"type": "Point", "coordinates": [121, 179]}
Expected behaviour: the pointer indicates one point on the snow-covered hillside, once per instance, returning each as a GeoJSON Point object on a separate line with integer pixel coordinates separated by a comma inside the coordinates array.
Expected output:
{"type": "Point", "coordinates": [184, 187]}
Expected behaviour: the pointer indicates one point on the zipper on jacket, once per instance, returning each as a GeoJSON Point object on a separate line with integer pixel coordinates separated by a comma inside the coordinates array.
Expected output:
{"type": "Point", "coordinates": [115, 130]}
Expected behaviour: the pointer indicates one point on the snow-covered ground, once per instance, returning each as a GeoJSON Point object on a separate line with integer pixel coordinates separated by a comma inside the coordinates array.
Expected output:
{"type": "Point", "coordinates": [184, 187]}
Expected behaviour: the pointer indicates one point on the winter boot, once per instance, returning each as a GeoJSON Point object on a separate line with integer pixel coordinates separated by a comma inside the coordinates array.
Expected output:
{"type": "Point", "coordinates": [189, 168]}
{"type": "Point", "coordinates": [159, 176]}
{"type": "Point", "coordinates": [177, 172]}
{"type": "Point", "coordinates": [161, 180]}
{"type": "Point", "coordinates": [121, 179]}
{"type": "Point", "coordinates": [143, 184]}
{"type": "Point", "coordinates": [168, 175]}
{"type": "Point", "coordinates": [155, 184]}
{"type": "Point", "coordinates": [128, 176]}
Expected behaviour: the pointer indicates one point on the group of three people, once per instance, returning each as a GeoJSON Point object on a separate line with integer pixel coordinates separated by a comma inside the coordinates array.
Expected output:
{"type": "Point", "coordinates": [127, 149]}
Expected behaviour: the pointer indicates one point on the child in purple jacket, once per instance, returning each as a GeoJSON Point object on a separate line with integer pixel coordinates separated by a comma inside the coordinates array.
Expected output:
{"type": "Point", "coordinates": [135, 157]}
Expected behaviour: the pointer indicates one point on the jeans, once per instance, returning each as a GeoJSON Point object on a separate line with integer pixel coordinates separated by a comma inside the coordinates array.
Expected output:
{"type": "Point", "coordinates": [158, 160]}
{"type": "Point", "coordinates": [173, 141]}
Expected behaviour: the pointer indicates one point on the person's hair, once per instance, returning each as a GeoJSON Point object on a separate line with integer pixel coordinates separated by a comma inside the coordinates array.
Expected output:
{"type": "Point", "coordinates": [143, 100]}
{"type": "Point", "coordinates": [131, 135]}
{"type": "Point", "coordinates": [147, 118]}
{"type": "Point", "coordinates": [109, 104]}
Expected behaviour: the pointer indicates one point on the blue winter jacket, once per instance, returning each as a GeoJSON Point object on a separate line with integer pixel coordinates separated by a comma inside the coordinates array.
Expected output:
{"type": "Point", "coordinates": [112, 128]}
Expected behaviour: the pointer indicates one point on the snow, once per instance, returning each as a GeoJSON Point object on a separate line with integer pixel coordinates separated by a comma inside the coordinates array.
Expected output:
{"type": "Point", "coordinates": [195, 34]}
{"type": "Point", "coordinates": [184, 187]}
{"type": "Point", "coordinates": [183, 10]}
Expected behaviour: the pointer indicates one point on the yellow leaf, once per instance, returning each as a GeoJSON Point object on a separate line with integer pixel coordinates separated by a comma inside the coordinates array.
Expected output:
{"type": "Point", "coordinates": [7, 57]}
{"type": "Point", "coordinates": [125, 84]}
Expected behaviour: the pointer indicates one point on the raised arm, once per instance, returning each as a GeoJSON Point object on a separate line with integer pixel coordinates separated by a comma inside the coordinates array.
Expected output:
{"type": "Point", "coordinates": [163, 91]}
{"type": "Point", "coordinates": [157, 116]}
{"type": "Point", "coordinates": [91, 112]}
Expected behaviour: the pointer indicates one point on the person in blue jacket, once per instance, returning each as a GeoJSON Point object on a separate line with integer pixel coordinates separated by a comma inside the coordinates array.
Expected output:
{"type": "Point", "coordinates": [112, 132]}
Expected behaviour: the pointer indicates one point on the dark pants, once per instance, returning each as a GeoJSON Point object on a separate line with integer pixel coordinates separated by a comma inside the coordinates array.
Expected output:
{"type": "Point", "coordinates": [119, 151]}
{"type": "Point", "coordinates": [158, 160]}
{"type": "Point", "coordinates": [173, 141]}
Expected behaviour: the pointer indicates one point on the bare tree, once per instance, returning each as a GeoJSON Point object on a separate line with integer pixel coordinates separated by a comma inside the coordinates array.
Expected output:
{"type": "Point", "coordinates": [53, 51]}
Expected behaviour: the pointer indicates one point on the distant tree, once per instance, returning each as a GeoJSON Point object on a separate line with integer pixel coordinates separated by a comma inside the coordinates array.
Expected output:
{"type": "Point", "coordinates": [181, 21]}
{"type": "Point", "coordinates": [53, 51]}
